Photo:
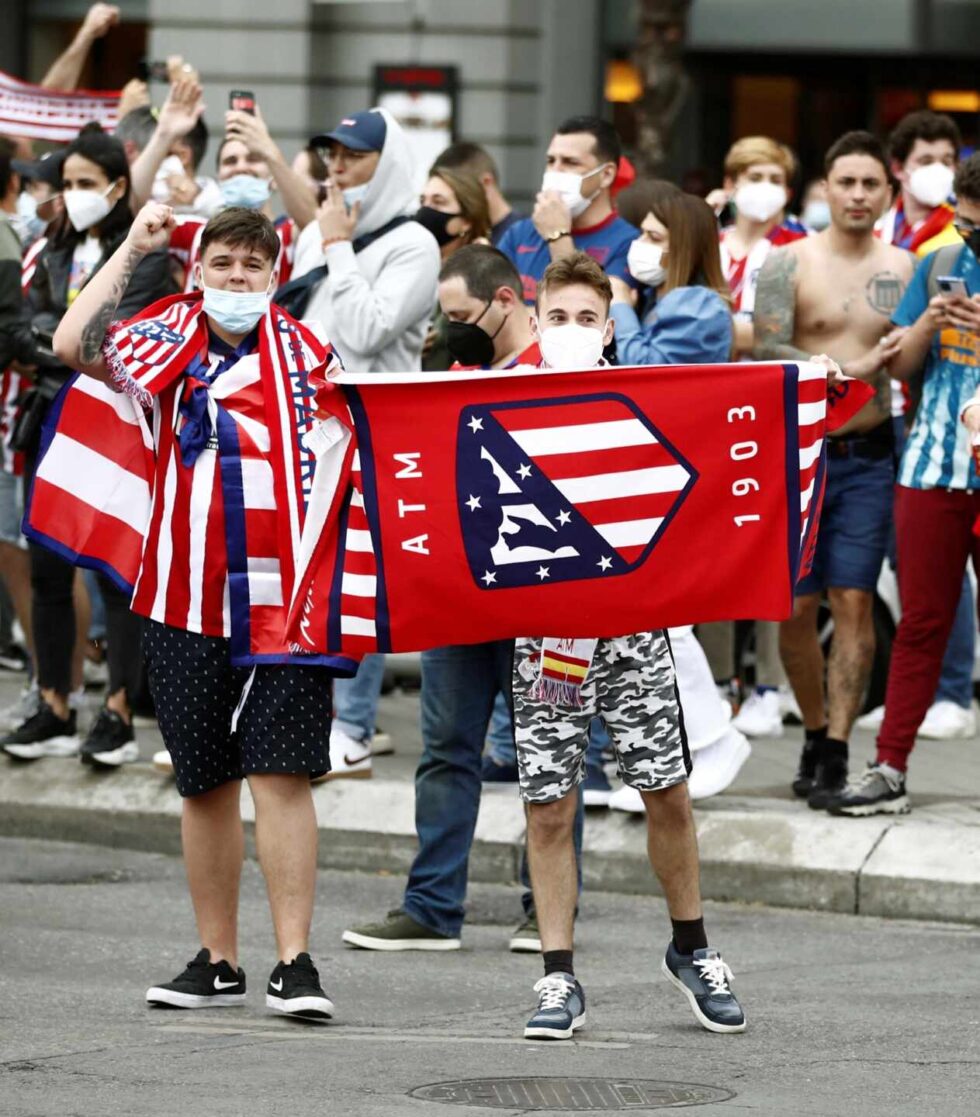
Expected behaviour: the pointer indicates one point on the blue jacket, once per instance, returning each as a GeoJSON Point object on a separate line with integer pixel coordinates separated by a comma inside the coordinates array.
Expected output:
{"type": "Point", "coordinates": [688, 326]}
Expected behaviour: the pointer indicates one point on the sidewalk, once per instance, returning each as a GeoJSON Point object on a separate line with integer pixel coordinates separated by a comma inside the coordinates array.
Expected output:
{"type": "Point", "coordinates": [758, 844]}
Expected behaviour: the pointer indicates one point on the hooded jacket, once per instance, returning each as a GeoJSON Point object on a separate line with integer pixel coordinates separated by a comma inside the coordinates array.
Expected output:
{"type": "Point", "coordinates": [375, 305]}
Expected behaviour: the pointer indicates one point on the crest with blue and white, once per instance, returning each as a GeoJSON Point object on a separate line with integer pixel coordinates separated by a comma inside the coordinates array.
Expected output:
{"type": "Point", "coordinates": [556, 490]}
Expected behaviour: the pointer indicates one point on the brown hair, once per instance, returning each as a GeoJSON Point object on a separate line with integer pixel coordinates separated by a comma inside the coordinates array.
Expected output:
{"type": "Point", "coordinates": [751, 150]}
{"type": "Point", "coordinates": [644, 196]}
{"type": "Point", "coordinates": [922, 125]}
{"type": "Point", "coordinates": [577, 269]}
{"type": "Point", "coordinates": [469, 157]}
{"type": "Point", "coordinates": [471, 198]}
{"type": "Point", "coordinates": [240, 227]}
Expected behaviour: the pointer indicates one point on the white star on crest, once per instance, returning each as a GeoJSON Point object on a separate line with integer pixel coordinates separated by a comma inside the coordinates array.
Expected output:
{"type": "Point", "coordinates": [564, 518]}
{"type": "Point", "coordinates": [525, 472]}
{"type": "Point", "coordinates": [543, 572]}
{"type": "Point", "coordinates": [489, 578]}
{"type": "Point", "coordinates": [604, 563]}
{"type": "Point", "coordinates": [475, 424]}
{"type": "Point", "coordinates": [473, 503]}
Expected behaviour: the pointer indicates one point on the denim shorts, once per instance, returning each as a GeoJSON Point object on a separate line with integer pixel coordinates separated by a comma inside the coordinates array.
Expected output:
{"type": "Point", "coordinates": [855, 523]}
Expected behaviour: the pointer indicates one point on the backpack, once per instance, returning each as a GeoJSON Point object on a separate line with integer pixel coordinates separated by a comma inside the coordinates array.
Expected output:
{"type": "Point", "coordinates": [294, 296]}
{"type": "Point", "coordinates": [942, 260]}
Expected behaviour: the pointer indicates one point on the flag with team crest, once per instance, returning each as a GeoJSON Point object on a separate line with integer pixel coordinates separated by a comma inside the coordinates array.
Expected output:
{"type": "Point", "coordinates": [482, 506]}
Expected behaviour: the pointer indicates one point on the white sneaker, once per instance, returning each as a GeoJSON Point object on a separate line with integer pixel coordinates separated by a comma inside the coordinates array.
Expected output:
{"type": "Point", "coordinates": [163, 763]}
{"type": "Point", "coordinates": [788, 706]}
{"type": "Point", "coordinates": [871, 721]}
{"type": "Point", "coordinates": [627, 799]}
{"type": "Point", "coordinates": [760, 715]}
{"type": "Point", "coordinates": [947, 721]}
{"type": "Point", "coordinates": [715, 767]}
{"type": "Point", "coordinates": [382, 744]}
{"type": "Point", "coordinates": [349, 759]}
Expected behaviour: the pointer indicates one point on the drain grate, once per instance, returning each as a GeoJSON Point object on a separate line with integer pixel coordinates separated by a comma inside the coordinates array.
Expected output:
{"type": "Point", "coordinates": [577, 1095]}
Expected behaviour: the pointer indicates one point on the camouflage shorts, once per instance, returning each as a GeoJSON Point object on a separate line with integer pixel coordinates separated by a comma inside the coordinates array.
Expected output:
{"type": "Point", "coordinates": [632, 687]}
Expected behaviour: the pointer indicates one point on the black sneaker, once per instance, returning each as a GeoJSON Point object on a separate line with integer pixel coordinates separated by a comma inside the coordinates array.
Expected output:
{"type": "Point", "coordinates": [704, 979]}
{"type": "Point", "coordinates": [807, 769]}
{"type": "Point", "coordinates": [202, 985]}
{"type": "Point", "coordinates": [829, 781]}
{"type": "Point", "coordinates": [399, 931]}
{"type": "Point", "coordinates": [561, 1008]}
{"type": "Point", "coordinates": [110, 742]}
{"type": "Point", "coordinates": [294, 989]}
{"type": "Point", "coordinates": [43, 734]}
{"type": "Point", "coordinates": [878, 790]}
{"type": "Point", "coordinates": [527, 938]}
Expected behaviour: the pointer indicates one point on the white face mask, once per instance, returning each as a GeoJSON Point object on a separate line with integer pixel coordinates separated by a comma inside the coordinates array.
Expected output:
{"type": "Point", "coordinates": [760, 201]}
{"type": "Point", "coordinates": [87, 207]}
{"type": "Point", "coordinates": [645, 262]}
{"type": "Point", "coordinates": [571, 346]}
{"type": "Point", "coordinates": [569, 185]}
{"type": "Point", "coordinates": [816, 214]}
{"type": "Point", "coordinates": [932, 184]}
{"type": "Point", "coordinates": [160, 191]}
{"type": "Point", "coordinates": [355, 194]}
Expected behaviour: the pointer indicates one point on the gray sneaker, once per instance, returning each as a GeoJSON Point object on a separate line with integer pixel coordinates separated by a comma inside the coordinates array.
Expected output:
{"type": "Point", "coordinates": [26, 706]}
{"type": "Point", "coordinates": [705, 980]}
{"type": "Point", "coordinates": [527, 938]}
{"type": "Point", "coordinates": [399, 931]}
{"type": "Point", "coordinates": [561, 1008]}
{"type": "Point", "coordinates": [878, 790]}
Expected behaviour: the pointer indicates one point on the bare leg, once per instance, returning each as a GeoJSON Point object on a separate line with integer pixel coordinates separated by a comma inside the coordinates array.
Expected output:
{"type": "Point", "coordinates": [851, 657]}
{"type": "Point", "coordinates": [286, 837]}
{"type": "Point", "coordinates": [551, 859]}
{"type": "Point", "coordinates": [214, 846]}
{"type": "Point", "coordinates": [15, 566]}
{"type": "Point", "coordinates": [799, 646]}
{"type": "Point", "coordinates": [672, 846]}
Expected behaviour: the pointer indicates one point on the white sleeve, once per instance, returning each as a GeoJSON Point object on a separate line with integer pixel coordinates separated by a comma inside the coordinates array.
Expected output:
{"type": "Point", "coordinates": [307, 252]}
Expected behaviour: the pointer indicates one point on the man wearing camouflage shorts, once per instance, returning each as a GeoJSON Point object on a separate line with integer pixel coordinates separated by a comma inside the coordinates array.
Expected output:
{"type": "Point", "coordinates": [629, 682]}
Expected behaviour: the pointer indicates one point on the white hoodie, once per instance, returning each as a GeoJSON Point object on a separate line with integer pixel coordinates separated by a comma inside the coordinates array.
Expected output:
{"type": "Point", "coordinates": [375, 306]}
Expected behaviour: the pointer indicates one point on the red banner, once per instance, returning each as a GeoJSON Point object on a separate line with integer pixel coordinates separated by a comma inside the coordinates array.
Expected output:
{"type": "Point", "coordinates": [52, 114]}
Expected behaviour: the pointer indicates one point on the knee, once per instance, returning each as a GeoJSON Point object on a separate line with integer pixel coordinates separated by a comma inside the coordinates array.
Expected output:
{"type": "Point", "coordinates": [279, 790]}
{"type": "Point", "coordinates": [670, 807]}
{"type": "Point", "coordinates": [551, 822]}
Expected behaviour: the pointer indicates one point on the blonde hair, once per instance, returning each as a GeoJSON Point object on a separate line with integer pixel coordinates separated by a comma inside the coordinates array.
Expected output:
{"type": "Point", "coordinates": [752, 150]}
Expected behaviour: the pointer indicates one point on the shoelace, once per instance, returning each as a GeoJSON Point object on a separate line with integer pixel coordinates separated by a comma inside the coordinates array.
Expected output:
{"type": "Point", "coordinates": [716, 973]}
{"type": "Point", "coordinates": [866, 779]}
{"type": "Point", "coordinates": [554, 992]}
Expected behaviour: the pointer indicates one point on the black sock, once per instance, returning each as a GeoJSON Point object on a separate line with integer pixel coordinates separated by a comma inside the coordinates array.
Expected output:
{"type": "Point", "coordinates": [558, 961]}
{"type": "Point", "coordinates": [814, 738]}
{"type": "Point", "coordinates": [689, 935]}
{"type": "Point", "coordinates": [833, 749]}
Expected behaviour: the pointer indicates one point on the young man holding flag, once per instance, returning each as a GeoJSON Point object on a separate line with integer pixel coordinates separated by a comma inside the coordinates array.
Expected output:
{"type": "Point", "coordinates": [189, 482]}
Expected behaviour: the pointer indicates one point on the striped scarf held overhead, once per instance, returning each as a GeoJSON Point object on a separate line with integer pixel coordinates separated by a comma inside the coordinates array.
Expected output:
{"type": "Point", "coordinates": [93, 491]}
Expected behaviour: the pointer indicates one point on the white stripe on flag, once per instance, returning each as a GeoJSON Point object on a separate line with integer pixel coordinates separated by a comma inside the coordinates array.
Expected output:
{"type": "Point", "coordinates": [540, 441]}
{"type": "Point", "coordinates": [629, 533]}
{"type": "Point", "coordinates": [120, 403]}
{"type": "Point", "coordinates": [810, 371]}
{"type": "Point", "coordinates": [258, 484]}
{"type": "Point", "coordinates": [357, 626]}
{"type": "Point", "coordinates": [264, 582]}
{"type": "Point", "coordinates": [360, 541]}
{"type": "Point", "coordinates": [79, 470]}
{"type": "Point", "coordinates": [165, 546]}
{"type": "Point", "coordinates": [359, 585]}
{"type": "Point", "coordinates": [811, 413]}
{"type": "Point", "coordinates": [627, 482]}
{"type": "Point", "coordinates": [202, 492]}
{"type": "Point", "coordinates": [807, 496]}
{"type": "Point", "coordinates": [809, 454]}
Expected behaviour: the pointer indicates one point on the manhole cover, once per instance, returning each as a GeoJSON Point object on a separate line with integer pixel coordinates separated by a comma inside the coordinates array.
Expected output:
{"type": "Point", "coordinates": [579, 1095]}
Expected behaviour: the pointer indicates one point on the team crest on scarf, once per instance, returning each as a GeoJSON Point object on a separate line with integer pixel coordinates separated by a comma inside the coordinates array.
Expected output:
{"type": "Point", "coordinates": [578, 488]}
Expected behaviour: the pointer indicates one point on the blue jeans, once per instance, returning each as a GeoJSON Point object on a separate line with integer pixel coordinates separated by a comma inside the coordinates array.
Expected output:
{"type": "Point", "coordinates": [501, 738]}
{"type": "Point", "coordinates": [355, 701]}
{"type": "Point", "coordinates": [459, 686]}
{"type": "Point", "coordinates": [956, 680]}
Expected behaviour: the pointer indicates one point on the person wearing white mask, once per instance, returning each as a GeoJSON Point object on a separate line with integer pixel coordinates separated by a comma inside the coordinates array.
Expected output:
{"type": "Point", "coordinates": [232, 702]}
{"type": "Point", "coordinates": [574, 210]}
{"type": "Point", "coordinates": [95, 189]}
{"type": "Point", "coordinates": [629, 682]}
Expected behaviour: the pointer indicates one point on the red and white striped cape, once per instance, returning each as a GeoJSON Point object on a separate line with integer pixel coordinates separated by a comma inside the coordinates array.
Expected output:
{"type": "Point", "coordinates": [98, 481]}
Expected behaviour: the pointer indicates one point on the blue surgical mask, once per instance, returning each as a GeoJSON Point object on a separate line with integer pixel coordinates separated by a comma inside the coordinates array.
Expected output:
{"type": "Point", "coordinates": [238, 312]}
{"type": "Point", "coordinates": [355, 194]}
{"type": "Point", "coordinates": [245, 190]}
{"type": "Point", "coordinates": [816, 214]}
{"type": "Point", "coordinates": [27, 224]}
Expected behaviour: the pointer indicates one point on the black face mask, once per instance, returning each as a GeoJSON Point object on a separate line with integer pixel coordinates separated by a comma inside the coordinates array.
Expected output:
{"type": "Point", "coordinates": [436, 222]}
{"type": "Point", "coordinates": [470, 344]}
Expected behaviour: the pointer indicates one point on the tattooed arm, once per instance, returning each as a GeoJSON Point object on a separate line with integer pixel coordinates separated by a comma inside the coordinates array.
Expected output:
{"type": "Point", "coordinates": [775, 309]}
{"type": "Point", "coordinates": [78, 339]}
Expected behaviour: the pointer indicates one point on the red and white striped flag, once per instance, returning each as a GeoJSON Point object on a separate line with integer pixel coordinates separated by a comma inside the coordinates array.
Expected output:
{"type": "Point", "coordinates": [53, 114]}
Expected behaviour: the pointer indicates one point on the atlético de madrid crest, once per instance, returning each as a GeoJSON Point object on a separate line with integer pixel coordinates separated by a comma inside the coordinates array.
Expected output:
{"type": "Point", "coordinates": [563, 489]}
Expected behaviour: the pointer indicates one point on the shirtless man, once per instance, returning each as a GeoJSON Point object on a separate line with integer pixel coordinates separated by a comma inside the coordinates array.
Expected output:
{"type": "Point", "coordinates": [834, 293]}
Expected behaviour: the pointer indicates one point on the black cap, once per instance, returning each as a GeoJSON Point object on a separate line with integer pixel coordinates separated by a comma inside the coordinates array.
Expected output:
{"type": "Point", "coordinates": [46, 169]}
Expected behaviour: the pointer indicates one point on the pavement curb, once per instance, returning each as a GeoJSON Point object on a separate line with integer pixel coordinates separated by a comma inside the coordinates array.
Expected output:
{"type": "Point", "coordinates": [753, 850]}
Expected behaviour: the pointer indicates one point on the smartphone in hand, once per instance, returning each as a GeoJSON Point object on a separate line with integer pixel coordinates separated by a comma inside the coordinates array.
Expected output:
{"type": "Point", "coordinates": [242, 100]}
{"type": "Point", "coordinates": [951, 285]}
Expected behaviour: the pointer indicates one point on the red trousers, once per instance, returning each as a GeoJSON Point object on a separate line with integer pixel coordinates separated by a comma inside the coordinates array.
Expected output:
{"type": "Point", "coordinates": [935, 538]}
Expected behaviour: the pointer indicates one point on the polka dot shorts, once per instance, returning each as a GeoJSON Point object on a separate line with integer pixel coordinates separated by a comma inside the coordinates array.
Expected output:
{"type": "Point", "coordinates": [284, 725]}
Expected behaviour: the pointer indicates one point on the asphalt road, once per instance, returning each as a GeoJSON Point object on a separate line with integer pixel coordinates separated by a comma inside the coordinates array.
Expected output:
{"type": "Point", "coordinates": [846, 1015]}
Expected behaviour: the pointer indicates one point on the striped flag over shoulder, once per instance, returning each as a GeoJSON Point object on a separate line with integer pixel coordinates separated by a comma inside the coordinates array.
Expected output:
{"type": "Point", "coordinates": [594, 503]}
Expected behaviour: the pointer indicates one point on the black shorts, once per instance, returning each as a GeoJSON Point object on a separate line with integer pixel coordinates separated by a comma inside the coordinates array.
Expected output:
{"type": "Point", "coordinates": [284, 725]}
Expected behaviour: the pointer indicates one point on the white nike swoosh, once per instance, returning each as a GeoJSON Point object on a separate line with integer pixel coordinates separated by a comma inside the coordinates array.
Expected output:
{"type": "Point", "coordinates": [278, 988]}
{"type": "Point", "coordinates": [219, 984]}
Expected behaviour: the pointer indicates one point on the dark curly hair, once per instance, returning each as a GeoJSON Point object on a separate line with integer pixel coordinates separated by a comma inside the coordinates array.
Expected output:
{"type": "Point", "coordinates": [967, 181]}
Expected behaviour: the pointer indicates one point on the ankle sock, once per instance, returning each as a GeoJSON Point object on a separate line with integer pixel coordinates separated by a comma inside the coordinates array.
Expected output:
{"type": "Point", "coordinates": [689, 935]}
{"type": "Point", "coordinates": [558, 961]}
{"type": "Point", "coordinates": [831, 748]}
{"type": "Point", "coordinates": [814, 738]}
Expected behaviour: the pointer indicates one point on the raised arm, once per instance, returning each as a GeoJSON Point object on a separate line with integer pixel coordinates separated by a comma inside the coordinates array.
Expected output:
{"type": "Point", "coordinates": [775, 309]}
{"type": "Point", "coordinates": [180, 112]}
{"type": "Point", "coordinates": [79, 337]}
{"type": "Point", "coordinates": [297, 197]}
{"type": "Point", "coordinates": [67, 67]}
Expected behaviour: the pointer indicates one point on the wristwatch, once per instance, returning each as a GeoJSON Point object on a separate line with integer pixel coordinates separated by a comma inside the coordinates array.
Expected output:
{"type": "Point", "coordinates": [552, 237]}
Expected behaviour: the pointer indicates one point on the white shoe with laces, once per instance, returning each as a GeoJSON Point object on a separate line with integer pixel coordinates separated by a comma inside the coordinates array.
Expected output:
{"type": "Point", "coordinates": [349, 759]}
{"type": "Point", "coordinates": [948, 721]}
{"type": "Point", "coordinates": [760, 715]}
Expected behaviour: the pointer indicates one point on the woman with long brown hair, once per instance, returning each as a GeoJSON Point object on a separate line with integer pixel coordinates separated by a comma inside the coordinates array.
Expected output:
{"type": "Point", "coordinates": [680, 315]}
